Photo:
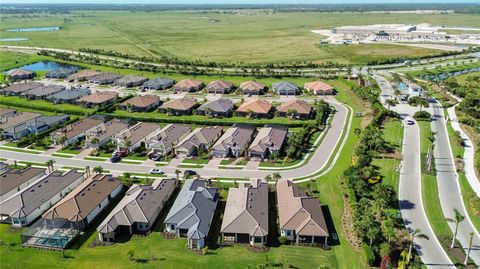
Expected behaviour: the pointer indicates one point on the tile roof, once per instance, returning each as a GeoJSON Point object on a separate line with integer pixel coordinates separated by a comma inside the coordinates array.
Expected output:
{"type": "Point", "coordinates": [138, 132]}
{"type": "Point", "coordinates": [142, 100]}
{"type": "Point", "coordinates": [187, 84]}
{"type": "Point", "coordinates": [83, 74]}
{"type": "Point", "coordinates": [284, 85]}
{"type": "Point", "coordinates": [76, 128]}
{"type": "Point", "coordinates": [16, 177]}
{"type": "Point", "coordinates": [299, 212]}
{"type": "Point", "coordinates": [169, 135]}
{"type": "Point", "coordinates": [252, 86]}
{"type": "Point", "coordinates": [159, 82]}
{"type": "Point", "coordinates": [142, 203]}
{"type": "Point", "coordinates": [184, 103]}
{"type": "Point", "coordinates": [99, 97]}
{"type": "Point", "coordinates": [300, 106]}
{"type": "Point", "coordinates": [219, 85]}
{"type": "Point", "coordinates": [6, 111]}
{"type": "Point", "coordinates": [19, 72]}
{"type": "Point", "coordinates": [18, 88]}
{"type": "Point", "coordinates": [45, 90]}
{"type": "Point", "coordinates": [130, 79]}
{"type": "Point", "coordinates": [318, 86]}
{"type": "Point", "coordinates": [17, 119]}
{"type": "Point", "coordinates": [104, 76]}
{"type": "Point", "coordinates": [70, 94]}
{"type": "Point", "coordinates": [79, 203]}
{"type": "Point", "coordinates": [269, 137]}
{"type": "Point", "coordinates": [257, 106]}
{"type": "Point", "coordinates": [106, 130]}
{"type": "Point", "coordinates": [200, 136]}
{"type": "Point", "coordinates": [246, 211]}
{"type": "Point", "coordinates": [220, 105]}
{"type": "Point", "coordinates": [237, 136]}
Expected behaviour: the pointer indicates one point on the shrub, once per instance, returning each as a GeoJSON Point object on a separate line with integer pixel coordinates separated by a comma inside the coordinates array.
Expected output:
{"type": "Point", "coordinates": [282, 240]}
{"type": "Point", "coordinates": [475, 205]}
{"type": "Point", "coordinates": [204, 251]}
{"type": "Point", "coordinates": [385, 249]}
{"type": "Point", "coordinates": [368, 254]}
{"type": "Point", "coordinates": [422, 115]}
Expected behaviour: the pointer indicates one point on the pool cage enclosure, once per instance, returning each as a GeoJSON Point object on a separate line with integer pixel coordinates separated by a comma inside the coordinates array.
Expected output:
{"type": "Point", "coordinates": [50, 234]}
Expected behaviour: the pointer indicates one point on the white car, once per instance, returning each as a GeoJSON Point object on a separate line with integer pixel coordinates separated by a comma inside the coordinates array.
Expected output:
{"type": "Point", "coordinates": [156, 171]}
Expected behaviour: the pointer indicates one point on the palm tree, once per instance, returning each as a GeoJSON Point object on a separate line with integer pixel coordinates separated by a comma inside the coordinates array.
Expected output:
{"type": "Point", "coordinates": [62, 140]}
{"type": "Point", "coordinates": [94, 142]}
{"type": "Point", "coordinates": [391, 102]}
{"type": "Point", "coordinates": [276, 176]}
{"type": "Point", "coordinates": [98, 169]}
{"type": "Point", "coordinates": [177, 173]}
{"type": "Point", "coordinates": [268, 178]}
{"type": "Point", "coordinates": [417, 233]}
{"type": "Point", "coordinates": [50, 165]}
{"type": "Point", "coordinates": [458, 218]}
{"type": "Point", "coordinates": [469, 249]}
{"type": "Point", "coordinates": [127, 144]}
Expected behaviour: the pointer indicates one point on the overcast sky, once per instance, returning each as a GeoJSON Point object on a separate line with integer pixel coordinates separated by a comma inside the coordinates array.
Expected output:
{"type": "Point", "coordinates": [234, 1]}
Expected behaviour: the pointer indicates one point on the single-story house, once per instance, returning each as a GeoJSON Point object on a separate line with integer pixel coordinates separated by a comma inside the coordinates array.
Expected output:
{"type": "Point", "coordinates": [182, 106]}
{"type": "Point", "coordinates": [269, 140]}
{"type": "Point", "coordinates": [234, 142]}
{"type": "Point", "coordinates": [138, 210]}
{"type": "Point", "coordinates": [284, 88]}
{"type": "Point", "coordinates": [139, 133]}
{"type": "Point", "coordinates": [130, 81]}
{"type": "Point", "coordinates": [296, 109]}
{"type": "Point", "coordinates": [252, 88]}
{"type": "Point", "coordinates": [219, 87]}
{"type": "Point", "coordinates": [216, 108]}
{"type": "Point", "coordinates": [202, 137]}
{"type": "Point", "coordinates": [245, 219]}
{"type": "Point", "coordinates": [255, 109]}
{"type": "Point", "coordinates": [158, 84]}
{"type": "Point", "coordinates": [82, 75]}
{"type": "Point", "coordinates": [98, 99]}
{"type": "Point", "coordinates": [301, 217]}
{"type": "Point", "coordinates": [17, 119]}
{"type": "Point", "coordinates": [103, 78]}
{"type": "Point", "coordinates": [35, 126]}
{"type": "Point", "coordinates": [29, 204]}
{"type": "Point", "coordinates": [86, 201]}
{"type": "Point", "coordinates": [140, 103]}
{"type": "Point", "coordinates": [60, 73]}
{"type": "Point", "coordinates": [20, 74]}
{"type": "Point", "coordinates": [69, 96]}
{"type": "Point", "coordinates": [42, 92]}
{"type": "Point", "coordinates": [18, 88]}
{"type": "Point", "coordinates": [169, 136]}
{"type": "Point", "coordinates": [75, 131]}
{"type": "Point", "coordinates": [192, 212]}
{"type": "Point", "coordinates": [319, 88]}
{"type": "Point", "coordinates": [188, 85]}
{"type": "Point", "coordinates": [16, 180]}
{"type": "Point", "coordinates": [101, 134]}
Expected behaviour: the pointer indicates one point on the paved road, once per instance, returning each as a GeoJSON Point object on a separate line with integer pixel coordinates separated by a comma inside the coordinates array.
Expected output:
{"type": "Point", "coordinates": [448, 185]}
{"type": "Point", "coordinates": [340, 123]}
{"type": "Point", "coordinates": [411, 205]}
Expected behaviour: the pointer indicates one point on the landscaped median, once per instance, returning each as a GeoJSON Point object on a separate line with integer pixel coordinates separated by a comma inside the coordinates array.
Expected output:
{"type": "Point", "coordinates": [22, 150]}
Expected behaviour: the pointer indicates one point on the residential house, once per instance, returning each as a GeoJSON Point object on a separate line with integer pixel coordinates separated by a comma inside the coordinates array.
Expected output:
{"type": "Point", "coordinates": [158, 84]}
{"type": "Point", "coordinates": [130, 81]}
{"type": "Point", "coordinates": [201, 138]}
{"type": "Point", "coordinates": [216, 108]}
{"type": "Point", "coordinates": [300, 216]}
{"type": "Point", "coordinates": [245, 219]}
{"type": "Point", "coordinates": [75, 131]}
{"type": "Point", "coordinates": [35, 126]}
{"type": "Point", "coordinates": [42, 92]}
{"type": "Point", "coordinates": [16, 180]}
{"type": "Point", "coordinates": [182, 106]}
{"type": "Point", "coordinates": [24, 207]}
{"type": "Point", "coordinates": [60, 73]}
{"type": "Point", "coordinates": [105, 132]}
{"type": "Point", "coordinates": [138, 210]}
{"type": "Point", "coordinates": [9, 123]}
{"type": "Point", "coordinates": [169, 136]}
{"type": "Point", "coordinates": [192, 212]}
{"type": "Point", "coordinates": [82, 75]}
{"type": "Point", "coordinates": [140, 103]}
{"type": "Point", "coordinates": [295, 109]}
{"type": "Point", "coordinates": [18, 88]}
{"type": "Point", "coordinates": [20, 74]}
{"type": "Point", "coordinates": [103, 78]}
{"type": "Point", "coordinates": [219, 87]}
{"type": "Point", "coordinates": [234, 142]}
{"type": "Point", "coordinates": [85, 202]}
{"type": "Point", "coordinates": [252, 88]}
{"type": "Point", "coordinates": [98, 99]}
{"type": "Point", "coordinates": [188, 85]}
{"type": "Point", "coordinates": [69, 96]}
{"type": "Point", "coordinates": [284, 88]}
{"type": "Point", "coordinates": [319, 88]}
{"type": "Point", "coordinates": [139, 133]}
{"type": "Point", "coordinates": [269, 140]}
{"type": "Point", "coordinates": [255, 109]}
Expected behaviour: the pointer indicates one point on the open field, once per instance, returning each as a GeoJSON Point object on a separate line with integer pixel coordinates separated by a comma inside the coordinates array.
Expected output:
{"type": "Point", "coordinates": [257, 36]}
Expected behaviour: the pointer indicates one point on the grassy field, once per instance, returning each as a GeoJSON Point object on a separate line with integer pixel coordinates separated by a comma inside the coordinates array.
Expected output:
{"type": "Point", "coordinates": [42, 105]}
{"type": "Point", "coordinates": [234, 38]}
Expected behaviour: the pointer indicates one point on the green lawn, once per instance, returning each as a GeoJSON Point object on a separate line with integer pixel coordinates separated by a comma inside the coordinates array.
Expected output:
{"type": "Point", "coordinates": [42, 105]}
{"type": "Point", "coordinates": [195, 161]}
{"type": "Point", "coordinates": [19, 150]}
{"type": "Point", "coordinates": [446, 69]}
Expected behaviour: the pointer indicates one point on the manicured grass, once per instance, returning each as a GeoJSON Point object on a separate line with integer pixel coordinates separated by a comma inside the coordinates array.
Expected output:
{"type": "Point", "coordinates": [92, 158]}
{"type": "Point", "coordinates": [62, 155]}
{"type": "Point", "coordinates": [70, 151]}
{"type": "Point", "coordinates": [130, 162]}
{"type": "Point", "coordinates": [33, 163]}
{"type": "Point", "coordinates": [42, 105]}
{"type": "Point", "coordinates": [195, 161]}
{"type": "Point", "coordinates": [19, 150]}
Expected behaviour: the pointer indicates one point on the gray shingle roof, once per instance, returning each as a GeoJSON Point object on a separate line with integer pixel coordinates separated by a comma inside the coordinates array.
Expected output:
{"type": "Point", "coordinates": [235, 137]}
{"type": "Point", "coordinates": [269, 137]}
{"type": "Point", "coordinates": [200, 136]}
{"type": "Point", "coordinates": [169, 135]}
{"type": "Point", "coordinates": [16, 177]}
{"type": "Point", "coordinates": [219, 106]}
{"type": "Point", "coordinates": [72, 94]}
{"type": "Point", "coordinates": [159, 83]}
{"type": "Point", "coordinates": [284, 86]}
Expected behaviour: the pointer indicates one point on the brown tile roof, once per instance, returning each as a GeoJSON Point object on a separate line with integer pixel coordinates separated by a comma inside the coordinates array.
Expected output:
{"type": "Point", "coordinates": [98, 97]}
{"type": "Point", "coordinates": [219, 85]}
{"type": "Point", "coordinates": [318, 86]}
{"type": "Point", "coordinates": [269, 137]}
{"type": "Point", "coordinates": [184, 103]}
{"type": "Point", "coordinates": [20, 72]}
{"type": "Point", "coordinates": [138, 132]}
{"type": "Point", "coordinates": [17, 119]}
{"type": "Point", "coordinates": [6, 111]}
{"type": "Point", "coordinates": [252, 86]}
{"type": "Point", "coordinates": [16, 177]}
{"type": "Point", "coordinates": [297, 211]}
{"type": "Point", "coordinates": [18, 88]}
{"type": "Point", "coordinates": [142, 100]}
{"type": "Point", "coordinates": [82, 74]}
{"type": "Point", "coordinates": [187, 84]}
{"type": "Point", "coordinates": [301, 106]}
{"type": "Point", "coordinates": [256, 106]}
{"type": "Point", "coordinates": [79, 203]}
{"type": "Point", "coordinates": [76, 128]}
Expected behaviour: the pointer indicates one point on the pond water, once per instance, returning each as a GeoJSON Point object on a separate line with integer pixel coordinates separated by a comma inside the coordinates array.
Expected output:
{"type": "Point", "coordinates": [47, 66]}
{"type": "Point", "coordinates": [443, 76]}
{"type": "Point", "coordinates": [14, 39]}
{"type": "Point", "coordinates": [35, 29]}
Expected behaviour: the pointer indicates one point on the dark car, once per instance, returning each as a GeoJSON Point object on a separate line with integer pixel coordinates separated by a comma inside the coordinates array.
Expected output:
{"type": "Point", "coordinates": [189, 173]}
{"type": "Point", "coordinates": [115, 158]}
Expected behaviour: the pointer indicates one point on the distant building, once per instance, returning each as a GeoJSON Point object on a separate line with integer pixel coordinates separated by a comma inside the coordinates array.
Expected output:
{"type": "Point", "coordinates": [82, 75]}
{"type": "Point", "coordinates": [140, 103]}
{"type": "Point", "coordinates": [69, 96]}
{"type": "Point", "coordinates": [182, 106]}
{"type": "Point", "coordinates": [319, 88]}
{"type": "Point", "coordinates": [60, 73]}
{"type": "Point", "coordinates": [99, 99]}
{"type": "Point", "coordinates": [284, 88]}
{"type": "Point", "coordinates": [43, 92]}
{"type": "Point", "coordinates": [130, 81]}
{"type": "Point", "coordinates": [158, 84]}
{"type": "Point", "coordinates": [136, 135]}
{"type": "Point", "coordinates": [188, 85]}
{"type": "Point", "coordinates": [252, 88]}
{"type": "Point", "coordinates": [163, 142]}
{"type": "Point", "coordinates": [75, 131]}
{"type": "Point", "coordinates": [219, 87]}
{"type": "Point", "coordinates": [296, 109]}
{"type": "Point", "coordinates": [18, 88]}
{"type": "Point", "coordinates": [255, 109]}
{"type": "Point", "coordinates": [216, 108]}
{"type": "Point", "coordinates": [103, 78]}
{"type": "Point", "coordinates": [105, 132]}
{"type": "Point", "coordinates": [20, 74]}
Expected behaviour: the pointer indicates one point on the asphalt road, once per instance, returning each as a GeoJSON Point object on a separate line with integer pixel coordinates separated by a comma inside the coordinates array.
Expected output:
{"type": "Point", "coordinates": [448, 186]}
{"type": "Point", "coordinates": [411, 205]}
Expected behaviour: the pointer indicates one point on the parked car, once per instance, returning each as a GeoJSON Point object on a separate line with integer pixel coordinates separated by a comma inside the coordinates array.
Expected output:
{"type": "Point", "coordinates": [188, 173]}
{"type": "Point", "coordinates": [121, 153]}
{"type": "Point", "coordinates": [155, 156]}
{"type": "Point", "coordinates": [156, 171]}
{"type": "Point", "coordinates": [115, 158]}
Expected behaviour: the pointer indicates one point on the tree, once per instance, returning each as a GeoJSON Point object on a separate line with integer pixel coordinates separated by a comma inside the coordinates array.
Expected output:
{"type": "Point", "coordinates": [62, 140]}
{"type": "Point", "coordinates": [391, 102]}
{"type": "Point", "coordinates": [98, 169]}
{"type": "Point", "coordinates": [457, 219]}
{"type": "Point", "coordinates": [357, 132]}
{"type": "Point", "coordinates": [50, 165]}
{"type": "Point", "coordinates": [276, 176]}
{"type": "Point", "coordinates": [94, 142]}
{"type": "Point", "coordinates": [128, 144]}
{"type": "Point", "coordinates": [469, 249]}
{"type": "Point", "coordinates": [177, 173]}
{"type": "Point", "coordinates": [417, 233]}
